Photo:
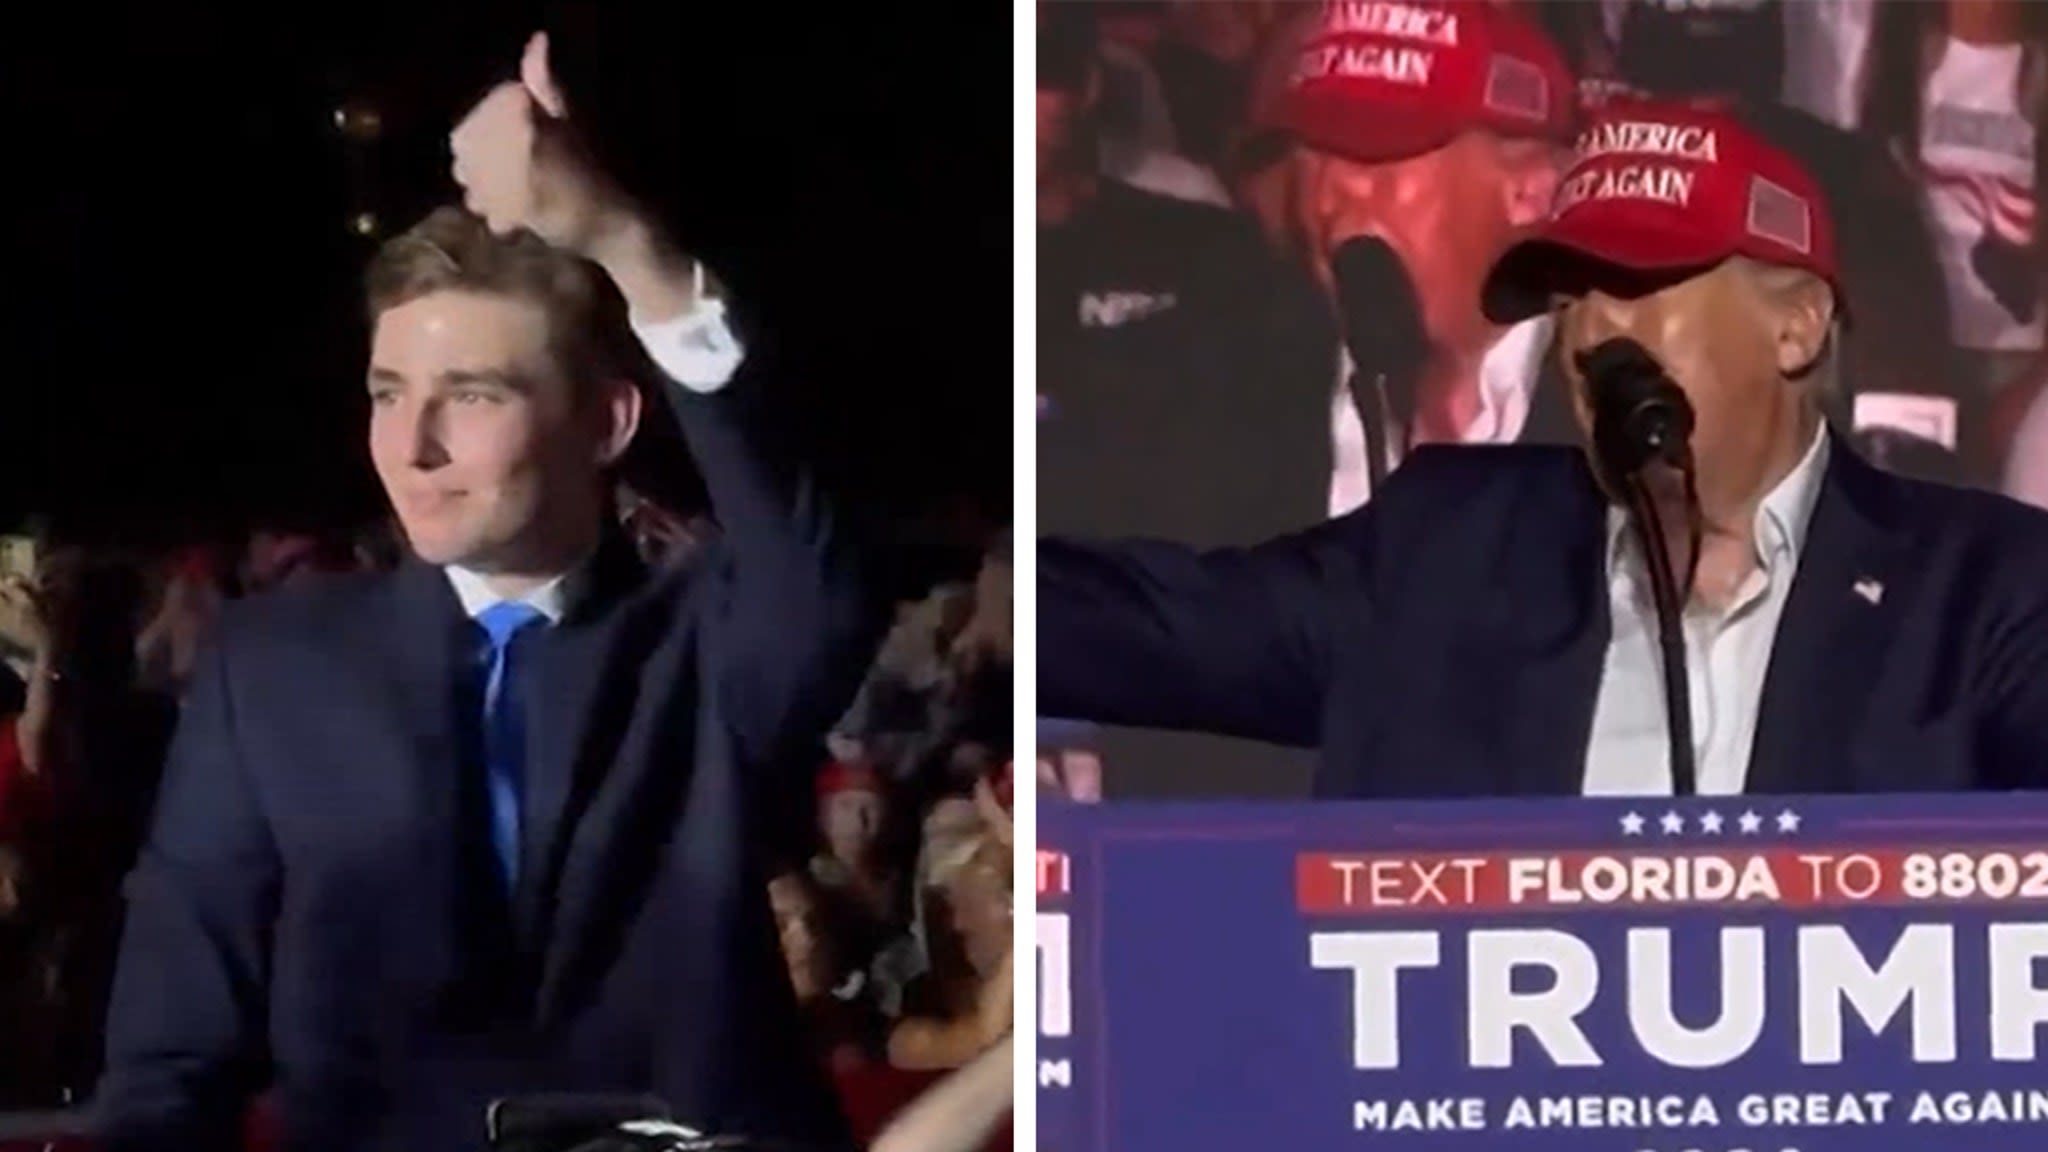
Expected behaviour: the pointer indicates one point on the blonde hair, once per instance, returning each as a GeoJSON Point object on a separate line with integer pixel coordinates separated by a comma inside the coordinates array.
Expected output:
{"type": "Point", "coordinates": [453, 250]}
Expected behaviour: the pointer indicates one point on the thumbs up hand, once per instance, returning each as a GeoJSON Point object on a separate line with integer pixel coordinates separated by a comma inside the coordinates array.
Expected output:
{"type": "Point", "coordinates": [520, 165]}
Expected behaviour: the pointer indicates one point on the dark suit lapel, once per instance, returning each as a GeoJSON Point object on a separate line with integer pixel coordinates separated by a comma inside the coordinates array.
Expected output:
{"type": "Point", "coordinates": [1558, 557]}
{"type": "Point", "coordinates": [426, 665]}
{"type": "Point", "coordinates": [578, 681]}
{"type": "Point", "coordinates": [1837, 626]}
{"type": "Point", "coordinates": [625, 796]}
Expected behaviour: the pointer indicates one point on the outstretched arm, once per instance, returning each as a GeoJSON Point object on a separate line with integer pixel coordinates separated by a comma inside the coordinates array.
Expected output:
{"type": "Point", "coordinates": [1235, 641]}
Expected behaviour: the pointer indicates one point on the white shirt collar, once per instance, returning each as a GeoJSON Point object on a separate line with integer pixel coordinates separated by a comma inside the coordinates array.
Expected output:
{"type": "Point", "coordinates": [551, 598]}
{"type": "Point", "coordinates": [1782, 519]}
{"type": "Point", "coordinates": [1507, 376]}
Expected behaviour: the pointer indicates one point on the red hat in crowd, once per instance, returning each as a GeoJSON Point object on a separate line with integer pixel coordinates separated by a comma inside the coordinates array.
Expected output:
{"type": "Point", "coordinates": [1661, 188]}
{"type": "Point", "coordinates": [195, 563]}
{"type": "Point", "coordinates": [1381, 81]}
{"type": "Point", "coordinates": [847, 776]}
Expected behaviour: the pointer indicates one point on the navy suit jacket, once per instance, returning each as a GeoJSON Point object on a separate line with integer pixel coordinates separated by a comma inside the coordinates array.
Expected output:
{"type": "Point", "coordinates": [1448, 639]}
{"type": "Point", "coordinates": [315, 909]}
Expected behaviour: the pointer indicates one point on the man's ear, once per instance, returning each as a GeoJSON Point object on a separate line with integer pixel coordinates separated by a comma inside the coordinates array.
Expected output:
{"type": "Point", "coordinates": [621, 419]}
{"type": "Point", "coordinates": [1529, 176]}
{"type": "Point", "coordinates": [1803, 315]}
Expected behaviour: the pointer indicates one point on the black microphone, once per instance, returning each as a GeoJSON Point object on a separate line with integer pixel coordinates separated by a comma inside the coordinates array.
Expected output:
{"type": "Point", "coordinates": [1639, 413]}
{"type": "Point", "coordinates": [1641, 417]}
{"type": "Point", "coordinates": [1381, 318]}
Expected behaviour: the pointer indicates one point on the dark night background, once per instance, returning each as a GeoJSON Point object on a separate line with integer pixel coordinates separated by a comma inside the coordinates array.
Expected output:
{"type": "Point", "coordinates": [184, 339]}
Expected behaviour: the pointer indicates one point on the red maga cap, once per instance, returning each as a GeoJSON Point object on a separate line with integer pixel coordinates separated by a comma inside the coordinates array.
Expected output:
{"type": "Point", "coordinates": [847, 776]}
{"type": "Point", "coordinates": [1380, 81]}
{"type": "Point", "coordinates": [1666, 188]}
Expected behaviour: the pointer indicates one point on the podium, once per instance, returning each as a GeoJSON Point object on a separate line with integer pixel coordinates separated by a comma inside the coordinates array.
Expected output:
{"type": "Point", "coordinates": [1740, 974]}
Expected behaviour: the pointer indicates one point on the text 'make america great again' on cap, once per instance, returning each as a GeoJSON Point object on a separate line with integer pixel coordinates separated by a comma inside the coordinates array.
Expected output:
{"type": "Point", "coordinates": [1655, 178]}
{"type": "Point", "coordinates": [1410, 59]}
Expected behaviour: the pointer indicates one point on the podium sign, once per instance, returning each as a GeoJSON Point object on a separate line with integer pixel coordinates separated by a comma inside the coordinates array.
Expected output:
{"type": "Point", "coordinates": [1750, 974]}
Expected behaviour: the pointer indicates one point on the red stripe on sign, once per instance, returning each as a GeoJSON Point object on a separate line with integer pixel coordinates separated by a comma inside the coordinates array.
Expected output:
{"type": "Point", "coordinates": [1055, 873]}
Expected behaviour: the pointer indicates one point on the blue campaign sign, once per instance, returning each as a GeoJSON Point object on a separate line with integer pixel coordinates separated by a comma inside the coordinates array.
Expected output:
{"type": "Point", "coordinates": [1749, 974]}
{"type": "Point", "coordinates": [1066, 1097]}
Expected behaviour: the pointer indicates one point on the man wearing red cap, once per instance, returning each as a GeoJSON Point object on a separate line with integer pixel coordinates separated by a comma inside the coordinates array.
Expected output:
{"type": "Point", "coordinates": [1482, 628]}
{"type": "Point", "coordinates": [1436, 129]}
{"type": "Point", "coordinates": [852, 805]}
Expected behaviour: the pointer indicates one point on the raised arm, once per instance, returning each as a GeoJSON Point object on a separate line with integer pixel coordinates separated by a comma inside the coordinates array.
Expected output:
{"type": "Point", "coordinates": [1238, 642]}
{"type": "Point", "coordinates": [185, 1050]}
{"type": "Point", "coordinates": [804, 616]}
{"type": "Point", "coordinates": [803, 605]}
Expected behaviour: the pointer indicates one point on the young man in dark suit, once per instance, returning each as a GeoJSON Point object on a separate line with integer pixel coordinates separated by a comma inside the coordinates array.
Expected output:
{"type": "Point", "coordinates": [489, 825]}
{"type": "Point", "coordinates": [1482, 629]}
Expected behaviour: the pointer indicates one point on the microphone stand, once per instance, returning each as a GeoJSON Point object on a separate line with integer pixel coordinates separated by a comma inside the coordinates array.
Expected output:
{"type": "Point", "coordinates": [1371, 402]}
{"type": "Point", "coordinates": [1670, 596]}
{"type": "Point", "coordinates": [1385, 410]}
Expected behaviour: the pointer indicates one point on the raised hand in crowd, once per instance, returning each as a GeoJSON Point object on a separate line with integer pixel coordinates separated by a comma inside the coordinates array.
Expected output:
{"type": "Point", "coordinates": [186, 609]}
{"type": "Point", "coordinates": [995, 1009]}
{"type": "Point", "coordinates": [23, 627]}
{"type": "Point", "coordinates": [1075, 773]}
{"type": "Point", "coordinates": [992, 801]}
{"type": "Point", "coordinates": [969, 927]}
{"type": "Point", "coordinates": [986, 636]}
{"type": "Point", "coordinates": [21, 620]}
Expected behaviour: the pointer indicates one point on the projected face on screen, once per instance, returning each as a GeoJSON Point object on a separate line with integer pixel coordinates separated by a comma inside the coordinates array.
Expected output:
{"type": "Point", "coordinates": [1449, 213]}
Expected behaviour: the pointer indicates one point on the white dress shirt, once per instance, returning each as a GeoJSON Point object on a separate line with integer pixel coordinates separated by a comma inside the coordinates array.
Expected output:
{"type": "Point", "coordinates": [1727, 654]}
{"type": "Point", "coordinates": [1507, 378]}
{"type": "Point", "coordinates": [697, 351]}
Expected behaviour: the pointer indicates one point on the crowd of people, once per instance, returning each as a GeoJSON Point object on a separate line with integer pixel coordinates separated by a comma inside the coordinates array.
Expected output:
{"type": "Point", "coordinates": [1214, 367]}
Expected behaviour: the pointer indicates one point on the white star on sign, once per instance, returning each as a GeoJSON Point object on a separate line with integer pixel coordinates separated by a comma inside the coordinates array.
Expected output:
{"type": "Point", "coordinates": [1632, 824]}
{"type": "Point", "coordinates": [1751, 823]}
{"type": "Point", "coordinates": [1673, 823]}
{"type": "Point", "coordinates": [1711, 823]}
{"type": "Point", "coordinates": [1788, 821]}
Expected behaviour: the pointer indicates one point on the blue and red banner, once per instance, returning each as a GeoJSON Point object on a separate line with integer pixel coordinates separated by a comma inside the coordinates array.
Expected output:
{"type": "Point", "coordinates": [1750, 974]}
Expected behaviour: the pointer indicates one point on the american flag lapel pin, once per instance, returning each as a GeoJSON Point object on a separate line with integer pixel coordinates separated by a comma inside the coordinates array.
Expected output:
{"type": "Point", "coordinates": [1870, 590]}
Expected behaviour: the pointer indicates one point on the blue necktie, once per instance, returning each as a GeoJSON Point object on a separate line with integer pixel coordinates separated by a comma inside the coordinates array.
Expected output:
{"type": "Point", "coordinates": [504, 732]}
